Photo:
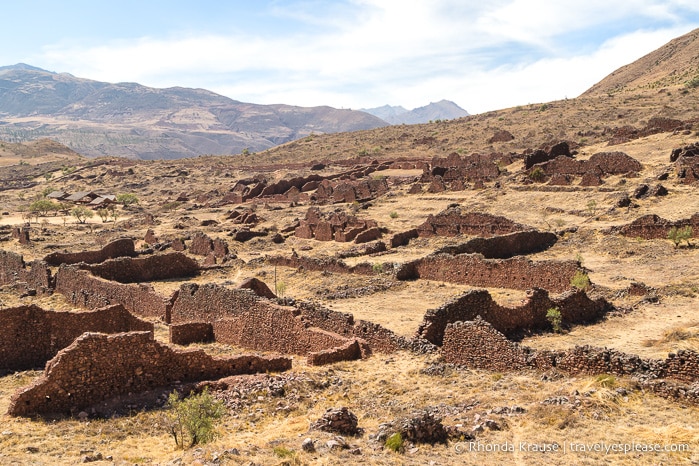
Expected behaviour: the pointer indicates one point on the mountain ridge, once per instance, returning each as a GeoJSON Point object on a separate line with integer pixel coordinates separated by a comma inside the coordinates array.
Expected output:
{"type": "Point", "coordinates": [131, 120]}
{"type": "Point", "coordinates": [396, 115]}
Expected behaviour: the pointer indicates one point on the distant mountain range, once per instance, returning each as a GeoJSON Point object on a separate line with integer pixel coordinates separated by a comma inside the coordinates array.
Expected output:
{"type": "Point", "coordinates": [130, 120]}
{"type": "Point", "coordinates": [396, 115]}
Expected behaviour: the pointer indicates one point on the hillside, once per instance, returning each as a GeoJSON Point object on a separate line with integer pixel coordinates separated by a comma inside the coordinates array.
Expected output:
{"type": "Point", "coordinates": [674, 64]}
{"type": "Point", "coordinates": [130, 120]}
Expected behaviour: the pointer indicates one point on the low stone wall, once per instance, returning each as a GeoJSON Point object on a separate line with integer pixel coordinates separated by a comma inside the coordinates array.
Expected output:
{"type": "Point", "coordinates": [454, 222]}
{"type": "Point", "coordinates": [350, 351]}
{"type": "Point", "coordinates": [97, 367]}
{"type": "Point", "coordinates": [119, 248]}
{"type": "Point", "coordinates": [517, 273]}
{"type": "Point", "coordinates": [145, 269]}
{"type": "Point", "coordinates": [606, 163]}
{"type": "Point", "coordinates": [504, 246]}
{"type": "Point", "coordinates": [191, 332]}
{"type": "Point", "coordinates": [477, 344]}
{"type": "Point", "coordinates": [30, 336]}
{"type": "Point", "coordinates": [84, 290]}
{"type": "Point", "coordinates": [14, 271]}
{"type": "Point", "coordinates": [575, 307]}
{"type": "Point", "coordinates": [654, 227]}
{"type": "Point", "coordinates": [321, 265]}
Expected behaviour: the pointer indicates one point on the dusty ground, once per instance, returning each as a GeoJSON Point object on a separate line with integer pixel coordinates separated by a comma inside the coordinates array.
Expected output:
{"type": "Point", "coordinates": [268, 429]}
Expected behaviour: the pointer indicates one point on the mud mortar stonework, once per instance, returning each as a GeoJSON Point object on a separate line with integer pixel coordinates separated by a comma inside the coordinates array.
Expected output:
{"type": "Point", "coordinates": [30, 336]}
{"type": "Point", "coordinates": [97, 367]}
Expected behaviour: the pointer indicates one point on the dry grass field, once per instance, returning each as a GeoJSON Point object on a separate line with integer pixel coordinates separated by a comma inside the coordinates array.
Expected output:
{"type": "Point", "coordinates": [268, 426]}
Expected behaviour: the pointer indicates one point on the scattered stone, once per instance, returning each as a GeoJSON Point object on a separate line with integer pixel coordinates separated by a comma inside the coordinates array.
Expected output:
{"type": "Point", "coordinates": [308, 445]}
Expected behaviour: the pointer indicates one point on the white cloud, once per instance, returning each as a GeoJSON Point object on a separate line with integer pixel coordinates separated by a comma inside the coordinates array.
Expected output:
{"type": "Point", "coordinates": [388, 51]}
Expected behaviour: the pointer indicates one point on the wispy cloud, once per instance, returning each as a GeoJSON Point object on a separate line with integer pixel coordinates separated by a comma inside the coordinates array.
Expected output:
{"type": "Point", "coordinates": [362, 53]}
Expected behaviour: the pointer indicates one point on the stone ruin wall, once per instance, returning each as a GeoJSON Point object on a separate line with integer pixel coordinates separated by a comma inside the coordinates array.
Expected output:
{"type": "Point", "coordinates": [97, 367]}
{"type": "Point", "coordinates": [476, 344]}
{"type": "Point", "coordinates": [654, 227]}
{"type": "Point", "coordinates": [513, 322]}
{"type": "Point", "coordinates": [119, 248]}
{"type": "Point", "coordinates": [517, 273]}
{"type": "Point", "coordinates": [453, 222]}
{"type": "Point", "coordinates": [337, 226]}
{"type": "Point", "coordinates": [14, 271]}
{"type": "Point", "coordinates": [30, 336]}
{"type": "Point", "coordinates": [86, 291]}
{"type": "Point", "coordinates": [240, 317]}
{"type": "Point", "coordinates": [321, 265]}
{"type": "Point", "coordinates": [145, 269]}
{"type": "Point", "coordinates": [504, 246]}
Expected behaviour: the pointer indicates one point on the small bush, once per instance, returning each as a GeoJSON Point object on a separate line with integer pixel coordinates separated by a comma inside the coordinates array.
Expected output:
{"type": "Point", "coordinates": [191, 420]}
{"type": "Point", "coordinates": [283, 452]}
{"type": "Point", "coordinates": [126, 199]}
{"type": "Point", "coordinates": [580, 280]}
{"type": "Point", "coordinates": [377, 268]}
{"type": "Point", "coordinates": [677, 235]}
{"type": "Point", "coordinates": [553, 315]}
{"type": "Point", "coordinates": [280, 289]}
{"type": "Point", "coordinates": [393, 214]}
{"type": "Point", "coordinates": [395, 442]}
{"type": "Point", "coordinates": [537, 174]}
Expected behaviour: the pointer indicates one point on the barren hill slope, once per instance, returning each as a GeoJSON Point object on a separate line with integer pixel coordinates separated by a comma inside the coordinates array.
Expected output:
{"type": "Point", "coordinates": [135, 121]}
{"type": "Point", "coordinates": [675, 63]}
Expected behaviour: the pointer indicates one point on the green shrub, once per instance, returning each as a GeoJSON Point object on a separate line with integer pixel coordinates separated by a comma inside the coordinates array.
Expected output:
{"type": "Point", "coordinates": [280, 289]}
{"type": "Point", "coordinates": [606, 380]}
{"type": "Point", "coordinates": [677, 235]}
{"type": "Point", "coordinates": [553, 315]}
{"type": "Point", "coordinates": [42, 207]}
{"type": "Point", "coordinates": [191, 420]}
{"type": "Point", "coordinates": [537, 174]}
{"type": "Point", "coordinates": [393, 214]}
{"type": "Point", "coordinates": [395, 442]}
{"type": "Point", "coordinates": [377, 268]}
{"type": "Point", "coordinates": [283, 452]}
{"type": "Point", "coordinates": [580, 280]}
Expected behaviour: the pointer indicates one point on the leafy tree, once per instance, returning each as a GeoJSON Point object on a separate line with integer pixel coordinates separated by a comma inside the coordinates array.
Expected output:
{"type": "Point", "coordinates": [42, 207]}
{"type": "Point", "coordinates": [126, 199]}
{"type": "Point", "coordinates": [81, 213]}
{"type": "Point", "coordinates": [191, 420]}
{"type": "Point", "coordinates": [105, 213]}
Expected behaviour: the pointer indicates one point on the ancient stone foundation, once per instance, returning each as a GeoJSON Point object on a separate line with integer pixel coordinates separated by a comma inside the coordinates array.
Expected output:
{"type": "Point", "coordinates": [14, 271]}
{"type": "Point", "coordinates": [30, 336]}
{"type": "Point", "coordinates": [86, 291]}
{"type": "Point", "coordinates": [575, 307]}
{"type": "Point", "coordinates": [321, 264]}
{"type": "Point", "coordinates": [654, 227]}
{"type": "Point", "coordinates": [454, 222]}
{"type": "Point", "coordinates": [504, 246]}
{"type": "Point", "coordinates": [119, 248]}
{"type": "Point", "coordinates": [97, 367]}
{"type": "Point", "coordinates": [517, 273]}
{"type": "Point", "coordinates": [145, 269]}
{"type": "Point", "coordinates": [476, 344]}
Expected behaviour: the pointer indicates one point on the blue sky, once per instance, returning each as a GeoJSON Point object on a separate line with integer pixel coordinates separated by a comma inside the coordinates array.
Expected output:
{"type": "Point", "coordinates": [483, 55]}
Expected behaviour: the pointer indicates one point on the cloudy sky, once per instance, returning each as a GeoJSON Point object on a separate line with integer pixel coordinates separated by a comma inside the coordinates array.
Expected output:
{"type": "Point", "coordinates": [483, 55]}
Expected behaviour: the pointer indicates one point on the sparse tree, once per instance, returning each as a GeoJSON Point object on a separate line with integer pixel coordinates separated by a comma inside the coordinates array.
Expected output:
{"type": "Point", "coordinates": [553, 315]}
{"type": "Point", "coordinates": [81, 213]}
{"type": "Point", "coordinates": [127, 199]}
{"type": "Point", "coordinates": [41, 207]}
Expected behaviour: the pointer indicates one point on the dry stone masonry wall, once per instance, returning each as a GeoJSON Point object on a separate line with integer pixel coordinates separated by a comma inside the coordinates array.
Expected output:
{"type": "Point", "coordinates": [97, 367]}
{"type": "Point", "coordinates": [453, 222]}
{"type": "Point", "coordinates": [119, 248]}
{"type": "Point", "coordinates": [30, 336]}
{"type": "Point", "coordinates": [517, 273]}
{"type": "Point", "coordinates": [477, 344]}
{"type": "Point", "coordinates": [504, 246]}
{"type": "Point", "coordinates": [575, 307]}
{"type": "Point", "coordinates": [86, 291]}
{"type": "Point", "coordinates": [145, 269]}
